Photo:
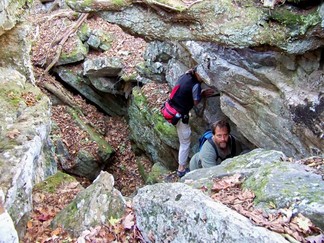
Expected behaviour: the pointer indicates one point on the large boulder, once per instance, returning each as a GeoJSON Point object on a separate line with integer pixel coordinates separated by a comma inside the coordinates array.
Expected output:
{"type": "Point", "coordinates": [95, 205]}
{"type": "Point", "coordinates": [229, 23]}
{"type": "Point", "coordinates": [273, 100]}
{"type": "Point", "coordinates": [11, 12]}
{"type": "Point", "coordinates": [178, 213]}
{"type": "Point", "coordinates": [15, 50]}
{"type": "Point", "coordinates": [25, 155]}
{"type": "Point", "coordinates": [151, 132]}
{"type": "Point", "coordinates": [84, 162]}
{"type": "Point", "coordinates": [273, 180]}
{"type": "Point", "coordinates": [111, 104]}
{"type": "Point", "coordinates": [8, 232]}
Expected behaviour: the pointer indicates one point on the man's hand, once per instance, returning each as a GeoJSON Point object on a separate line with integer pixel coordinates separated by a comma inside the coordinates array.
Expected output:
{"type": "Point", "coordinates": [207, 92]}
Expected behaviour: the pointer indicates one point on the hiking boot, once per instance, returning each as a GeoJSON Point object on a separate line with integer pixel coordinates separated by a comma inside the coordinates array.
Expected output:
{"type": "Point", "coordinates": [182, 173]}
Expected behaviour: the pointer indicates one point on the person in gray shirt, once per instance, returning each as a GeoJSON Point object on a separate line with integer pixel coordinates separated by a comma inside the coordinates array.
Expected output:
{"type": "Point", "coordinates": [219, 147]}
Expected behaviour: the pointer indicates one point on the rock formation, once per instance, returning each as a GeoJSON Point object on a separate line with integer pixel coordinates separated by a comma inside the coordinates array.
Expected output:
{"type": "Point", "coordinates": [267, 64]}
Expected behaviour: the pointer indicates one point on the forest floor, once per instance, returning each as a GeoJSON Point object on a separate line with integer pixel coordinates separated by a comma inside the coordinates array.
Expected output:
{"type": "Point", "coordinates": [124, 168]}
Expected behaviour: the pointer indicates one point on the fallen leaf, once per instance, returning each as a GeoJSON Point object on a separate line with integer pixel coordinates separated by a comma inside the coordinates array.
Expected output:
{"type": "Point", "coordinates": [38, 197]}
{"type": "Point", "coordinates": [129, 221]}
{"type": "Point", "coordinates": [57, 231]}
{"type": "Point", "coordinates": [13, 133]}
{"type": "Point", "coordinates": [43, 217]}
{"type": "Point", "coordinates": [113, 221]}
{"type": "Point", "coordinates": [303, 222]}
{"type": "Point", "coordinates": [29, 224]}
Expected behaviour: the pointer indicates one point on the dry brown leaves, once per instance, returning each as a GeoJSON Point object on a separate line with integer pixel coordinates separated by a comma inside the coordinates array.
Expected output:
{"type": "Point", "coordinates": [29, 98]}
{"type": "Point", "coordinates": [47, 205]}
{"type": "Point", "coordinates": [12, 134]}
{"type": "Point", "coordinates": [118, 230]}
{"type": "Point", "coordinates": [315, 163]}
{"type": "Point", "coordinates": [116, 132]}
{"type": "Point", "coordinates": [156, 94]}
{"type": "Point", "coordinates": [124, 46]}
{"type": "Point", "coordinates": [228, 191]}
{"type": "Point", "coordinates": [49, 29]}
{"type": "Point", "coordinates": [46, 35]}
{"type": "Point", "coordinates": [92, 116]}
{"type": "Point", "coordinates": [124, 167]}
{"type": "Point", "coordinates": [74, 137]}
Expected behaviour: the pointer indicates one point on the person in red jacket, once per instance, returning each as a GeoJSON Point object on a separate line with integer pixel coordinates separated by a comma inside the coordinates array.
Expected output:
{"type": "Point", "coordinates": [186, 94]}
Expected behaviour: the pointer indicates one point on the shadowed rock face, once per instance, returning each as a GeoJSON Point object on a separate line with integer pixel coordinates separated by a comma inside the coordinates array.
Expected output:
{"type": "Point", "coordinates": [275, 99]}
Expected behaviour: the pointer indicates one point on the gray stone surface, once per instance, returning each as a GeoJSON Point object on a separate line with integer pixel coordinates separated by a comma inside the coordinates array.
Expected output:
{"type": "Point", "coordinates": [93, 206]}
{"type": "Point", "coordinates": [25, 154]}
{"type": "Point", "coordinates": [100, 67]}
{"type": "Point", "coordinates": [8, 233]}
{"type": "Point", "coordinates": [78, 53]}
{"type": "Point", "coordinates": [274, 182]}
{"type": "Point", "coordinates": [226, 22]}
{"type": "Point", "coordinates": [111, 104]}
{"type": "Point", "coordinates": [177, 213]}
{"type": "Point", "coordinates": [15, 50]}
{"type": "Point", "coordinates": [272, 99]}
{"type": "Point", "coordinates": [11, 12]}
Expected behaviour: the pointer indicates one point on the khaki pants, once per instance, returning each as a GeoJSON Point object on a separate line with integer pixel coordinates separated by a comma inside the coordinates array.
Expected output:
{"type": "Point", "coordinates": [184, 132]}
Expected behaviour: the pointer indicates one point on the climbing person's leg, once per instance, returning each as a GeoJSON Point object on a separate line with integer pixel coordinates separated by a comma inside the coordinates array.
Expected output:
{"type": "Point", "coordinates": [184, 133]}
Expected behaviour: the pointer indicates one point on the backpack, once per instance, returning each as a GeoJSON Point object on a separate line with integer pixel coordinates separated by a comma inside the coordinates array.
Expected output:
{"type": "Point", "coordinates": [170, 114]}
{"type": "Point", "coordinates": [208, 134]}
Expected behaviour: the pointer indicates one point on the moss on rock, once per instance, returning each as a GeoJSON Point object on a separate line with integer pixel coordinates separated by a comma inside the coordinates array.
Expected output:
{"type": "Point", "coordinates": [295, 21]}
{"type": "Point", "coordinates": [53, 182]}
{"type": "Point", "coordinates": [156, 174]}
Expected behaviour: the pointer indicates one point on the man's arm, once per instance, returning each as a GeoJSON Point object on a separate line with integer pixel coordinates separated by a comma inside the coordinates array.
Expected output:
{"type": "Point", "coordinates": [207, 155]}
{"type": "Point", "coordinates": [198, 94]}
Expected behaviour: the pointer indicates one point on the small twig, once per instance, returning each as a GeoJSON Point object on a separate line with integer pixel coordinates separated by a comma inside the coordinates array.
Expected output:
{"type": "Point", "coordinates": [120, 44]}
{"type": "Point", "coordinates": [61, 14]}
{"type": "Point", "coordinates": [190, 4]}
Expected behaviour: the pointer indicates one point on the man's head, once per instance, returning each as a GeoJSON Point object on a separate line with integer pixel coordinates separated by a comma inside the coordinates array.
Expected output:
{"type": "Point", "coordinates": [221, 130]}
{"type": "Point", "coordinates": [201, 74]}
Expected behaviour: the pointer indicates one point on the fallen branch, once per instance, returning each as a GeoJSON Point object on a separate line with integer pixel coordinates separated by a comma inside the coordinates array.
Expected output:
{"type": "Point", "coordinates": [59, 92]}
{"type": "Point", "coordinates": [61, 14]}
{"type": "Point", "coordinates": [70, 31]}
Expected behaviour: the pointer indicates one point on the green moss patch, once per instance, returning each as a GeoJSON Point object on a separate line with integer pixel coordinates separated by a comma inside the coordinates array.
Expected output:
{"type": "Point", "coordinates": [53, 182]}
{"type": "Point", "coordinates": [294, 20]}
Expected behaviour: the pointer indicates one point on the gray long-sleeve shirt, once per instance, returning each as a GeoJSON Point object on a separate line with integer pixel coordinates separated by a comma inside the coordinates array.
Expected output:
{"type": "Point", "coordinates": [206, 157]}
